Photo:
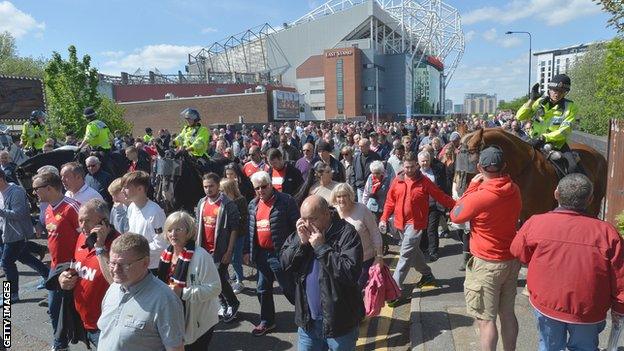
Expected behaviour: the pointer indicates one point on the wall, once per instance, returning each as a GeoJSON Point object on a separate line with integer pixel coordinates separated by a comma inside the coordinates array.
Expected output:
{"type": "Point", "coordinates": [143, 92]}
{"type": "Point", "coordinates": [352, 82]}
{"type": "Point", "coordinates": [19, 97]}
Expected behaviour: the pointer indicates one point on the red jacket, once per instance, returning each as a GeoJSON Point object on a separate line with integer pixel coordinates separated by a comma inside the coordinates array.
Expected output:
{"type": "Point", "coordinates": [493, 208]}
{"type": "Point", "coordinates": [417, 197]}
{"type": "Point", "coordinates": [576, 265]}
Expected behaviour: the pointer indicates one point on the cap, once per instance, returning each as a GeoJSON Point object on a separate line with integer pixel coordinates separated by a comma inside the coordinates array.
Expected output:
{"type": "Point", "coordinates": [455, 136]}
{"type": "Point", "coordinates": [323, 146]}
{"type": "Point", "coordinates": [491, 159]}
{"type": "Point", "coordinates": [89, 112]}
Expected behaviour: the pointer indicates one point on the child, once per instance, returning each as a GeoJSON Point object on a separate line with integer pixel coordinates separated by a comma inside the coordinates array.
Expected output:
{"type": "Point", "coordinates": [119, 212]}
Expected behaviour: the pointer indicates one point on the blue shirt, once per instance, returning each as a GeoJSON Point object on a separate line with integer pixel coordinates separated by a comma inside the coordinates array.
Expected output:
{"type": "Point", "coordinates": [313, 291]}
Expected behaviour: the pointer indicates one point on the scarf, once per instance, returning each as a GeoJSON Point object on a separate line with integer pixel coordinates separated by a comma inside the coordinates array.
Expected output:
{"type": "Point", "coordinates": [181, 269]}
{"type": "Point", "coordinates": [376, 184]}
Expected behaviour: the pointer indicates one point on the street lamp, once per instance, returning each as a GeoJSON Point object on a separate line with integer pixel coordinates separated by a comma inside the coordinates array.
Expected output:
{"type": "Point", "coordinates": [513, 32]}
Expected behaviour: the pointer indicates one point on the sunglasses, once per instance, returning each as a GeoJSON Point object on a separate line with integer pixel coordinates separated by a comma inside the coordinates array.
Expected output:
{"type": "Point", "coordinates": [258, 188]}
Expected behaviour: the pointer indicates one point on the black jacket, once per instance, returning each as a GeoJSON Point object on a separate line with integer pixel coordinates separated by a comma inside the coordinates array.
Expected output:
{"type": "Point", "coordinates": [361, 167]}
{"type": "Point", "coordinates": [293, 179]}
{"type": "Point", "coordinates": [439, 171]}
{"type": "Point", "coordinates": [229, 219]}
{"type": "Point", "coordinates": [338, 169]}
{"type": "Point", "coordinates": [341, 264]}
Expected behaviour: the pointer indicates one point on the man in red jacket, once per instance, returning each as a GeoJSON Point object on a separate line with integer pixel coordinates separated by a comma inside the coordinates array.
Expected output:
{"type": "Point", "coordinates": [576, 269]}
{"type": "Point", "coordinates": [408, 201]}
{"type": "Point", "coordinates": [492, 204]}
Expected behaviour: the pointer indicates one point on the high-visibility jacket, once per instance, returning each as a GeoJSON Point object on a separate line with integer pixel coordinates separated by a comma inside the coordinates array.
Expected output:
{"type": "Point", "coordinates": [147, 138]}
{"type": "Point", "coordinates": [551, 121]}
{"type": "Point", "coordinates": [196, 137]}
{"type": "Point", "coordinates": [33, 136]}
{"type": "Point", "coordinates": [97, 135]}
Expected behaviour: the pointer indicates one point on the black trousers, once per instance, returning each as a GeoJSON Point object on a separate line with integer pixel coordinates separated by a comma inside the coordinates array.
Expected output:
{"type": "Point", "coordinates": [431, 242]}
{"type": "Point", "coordinates": [202, 343]}
{"type": "Point", "coordinates": [227, 296]}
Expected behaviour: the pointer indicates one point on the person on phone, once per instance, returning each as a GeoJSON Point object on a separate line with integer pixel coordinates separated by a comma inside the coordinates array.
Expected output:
{"type": "Point", "coordinates": [89, 275]}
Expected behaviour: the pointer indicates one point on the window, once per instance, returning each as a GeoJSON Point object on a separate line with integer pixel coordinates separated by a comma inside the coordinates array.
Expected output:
{"type": "Point", "coordinates": [339, 85]}
{"type": "Point", "coordinates": [318, 108]}
{"type": "Point", "coordinates": [317, 91]}
{"type": "Point", "coordinates": [557, 61]}
{"type": "Point", "coordinates": [372, 88]}
{"type": "Point", "coordinates": [543, 63]}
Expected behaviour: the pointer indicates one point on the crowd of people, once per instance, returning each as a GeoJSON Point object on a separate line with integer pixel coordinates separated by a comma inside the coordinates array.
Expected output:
{"type": "Point", "coordinates": [312, 206]}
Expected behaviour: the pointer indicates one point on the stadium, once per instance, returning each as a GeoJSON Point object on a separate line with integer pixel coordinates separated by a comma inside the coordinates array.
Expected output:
{"type": "Point", "coordinates": [380, 59]}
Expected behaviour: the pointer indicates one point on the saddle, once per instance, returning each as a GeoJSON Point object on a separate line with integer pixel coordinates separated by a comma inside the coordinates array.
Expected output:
{"type": "Point", "coordinates": [565, 162]}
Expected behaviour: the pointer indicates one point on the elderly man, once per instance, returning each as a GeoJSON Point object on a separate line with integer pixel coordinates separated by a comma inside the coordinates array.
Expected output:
{"type": "Point", "coordinates": [8, 166]}
{"type": "Point", "coordinates": [571, 297]}
{"type": "Point", "coordinates": [98, 178]}
{"type": "Point", "coordinates": [289, 152]}
{"type": "Point", "coordinates": [305, 163]}
{"type": "Point", "coordinates": [139, 312]}
{"type": "Point", "coordinates": [361, 166]}
{"type": "Point", "coordinates": [73, 177]}
{"type": "Point", "coordinates": [325, 257]}
{"type": "Point", "coordinates": [272, 217]}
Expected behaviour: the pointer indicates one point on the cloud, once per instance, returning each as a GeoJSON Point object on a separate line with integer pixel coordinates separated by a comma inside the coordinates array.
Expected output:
{"type": "Point", "coordinates": [551, 12]}
{"type": "Point", "coordinates": [112, 54]}
{"type": "Point", "coordinates": [490, 34]}
{"type": "Point", "coordinates": [506, 41]}
{"type": "Point", "coordinates": [17, 22]}
{"type": "Point", "coordinates": [164, 57]}
{"type": "Point", "coordinates": [209, 30]}
{"type": "Point", "coordinates": [468, 36]}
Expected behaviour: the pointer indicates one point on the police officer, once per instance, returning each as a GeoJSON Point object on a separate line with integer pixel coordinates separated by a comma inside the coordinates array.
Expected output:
{"type": "Point", "coordinates": [551, 117]}
{"type": "Point", "coordinates": [97, 134]}
{"type": "Point", "coordinates": [193, 138]}
{"type": "Point", "coordinates": [148, 135]}
{"type": "Point", "coordinates": [33, 133]}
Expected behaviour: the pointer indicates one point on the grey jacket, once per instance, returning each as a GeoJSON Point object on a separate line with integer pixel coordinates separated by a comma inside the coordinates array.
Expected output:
{"type": "Point", "coordinates": [15, 216]}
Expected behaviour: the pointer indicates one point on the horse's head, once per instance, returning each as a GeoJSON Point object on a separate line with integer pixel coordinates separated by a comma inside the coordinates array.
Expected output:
{"type": "Point", "coordinates": [467, 159]}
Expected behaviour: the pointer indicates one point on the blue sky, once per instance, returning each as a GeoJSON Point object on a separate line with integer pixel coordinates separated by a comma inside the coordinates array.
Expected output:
{"type": "Point", "coordinates": [127, 35]}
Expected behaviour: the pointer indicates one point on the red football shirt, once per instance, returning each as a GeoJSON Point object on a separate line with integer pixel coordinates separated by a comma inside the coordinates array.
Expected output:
{"type": "Point", "coordinates": [263, 223]}
{"type": "Point", "coordinates": [91, 287]}
{"type": "Point", "coordinates": [209, 214]}
{"type": "Point", "coordinates": [277, 178]}
{"type": "Point", "coordinates": [61, 221]}
{"type": "Point", "coordinates": [251, 167]}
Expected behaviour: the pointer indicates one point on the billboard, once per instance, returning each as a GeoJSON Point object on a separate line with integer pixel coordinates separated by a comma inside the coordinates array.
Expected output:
{"type": "Point", "coordinates": [19, 97]}
{"type": "Point", "coordinates": [285, 105]}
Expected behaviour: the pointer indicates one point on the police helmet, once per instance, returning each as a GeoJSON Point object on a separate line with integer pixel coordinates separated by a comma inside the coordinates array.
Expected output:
{"type": "Point", "coordinates": [36, 115]}
{"type": "Point", "coordinates": [190, 113]}
{"type": "Point", "coordinates": [89, 113]}
{"type": "Point", "coordinates": [560, 82]}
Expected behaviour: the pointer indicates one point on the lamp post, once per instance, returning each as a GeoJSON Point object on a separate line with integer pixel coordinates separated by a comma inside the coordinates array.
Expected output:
{"type": "Point", "coordinates": [530, 52]}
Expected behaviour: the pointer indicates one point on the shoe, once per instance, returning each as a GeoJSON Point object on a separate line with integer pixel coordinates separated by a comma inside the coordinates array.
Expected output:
{"type": "Point", "coordinates": [433, 257]}
{"type": "Point", "coordinates": [445, 234]}
{"type": "Point", "coordinates": [398, 302]}
{"type": "Point", "coordinates": [262, 329]}
{"type": "Point", "coordinates": [426, 280]}
{"type": "Point", "coordinates": [222, 310]}
{"type": "Point", "coordinates": [238, 287]}
{"type": "Point", "coordinates": [41, 285]}
{"type": "Point", "coordinates": [231, 313]}
{"type": "Point", "coordinates": [43, 303]}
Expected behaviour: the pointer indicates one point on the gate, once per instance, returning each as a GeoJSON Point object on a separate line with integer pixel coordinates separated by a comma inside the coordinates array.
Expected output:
{"type": "Point", "coordinates": [614, 203]}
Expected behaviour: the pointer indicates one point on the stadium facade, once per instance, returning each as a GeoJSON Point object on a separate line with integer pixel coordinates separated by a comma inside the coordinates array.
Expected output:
{"type": "Point", "coordinates": [347, 58]}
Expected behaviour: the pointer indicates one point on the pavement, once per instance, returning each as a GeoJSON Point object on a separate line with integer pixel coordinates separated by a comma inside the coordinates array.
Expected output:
{"type": "Point", "coordinates": [435, 319]}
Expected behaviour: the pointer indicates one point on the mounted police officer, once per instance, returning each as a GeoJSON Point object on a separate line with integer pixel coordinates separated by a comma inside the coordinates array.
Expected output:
{"type": "Point", "coordinates": [551, 116]}
{"type": "Point", "coordinates": [193, 138]}
{"type": "Point", "coordinates": [33, 133]}
{"type": "Point", "coordinates": [97, 134]}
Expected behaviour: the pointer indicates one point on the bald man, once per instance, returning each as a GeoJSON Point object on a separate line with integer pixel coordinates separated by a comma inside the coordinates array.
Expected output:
{"type": "Point", "coordinates": [324, 256]}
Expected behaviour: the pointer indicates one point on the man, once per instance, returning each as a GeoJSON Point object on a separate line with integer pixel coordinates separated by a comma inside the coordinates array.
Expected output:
{"type": "Point", "coordinates": [395, 161]}
{"type": "Point", "coordinates": [516, 129]}
{"type": "Point", "coordinates": [380, 149]}
{"type": "Point", "coordinates": [8, 167]}
{"type": "Point", "coordinates": [492, 203]}
{"type": "Point", "coordinates": [98, 179]}
{"type": "Point", "coordinates": [33, 133]}
{"type": "Point", "coordinates": [139, 312]}
{"type": "Point", "coordinates": [62, 225]}
{"type": "Point", "coordinates": [218, 221]}
{"type": "Point", "coordinates": [272, 217]}
{"type": "Point", "coordinates": [324, 149]}
{"type": "Point", "coordinates": [256, 163]}
{"type": "Point", "coordinates": [97, 134]}
{"type": "Point", "coordinates": [571, 297]}
{"type": "Point", "coordinates": [325, 257]}
{"type": "Point", "coordinates": [552, 116]}
{"type": "Point", "coordinates": [347, 163]}
{"type": "Point", "coordinates": [145, 217]}
{"type": "Point", "coordinates": [73, 177]}
{"type": "Point", "coordinates": [139, 159]}
{"type": "Point", "coordinates": [284, 176]}
{"type": "Point", "coordinates": [361, 166]}
{"type": "Point", "coordinates": [288, 151]}
{"type": "Point", "coordinates": [305, 163]}
{"type": "Point", "coordinates": [193, 138]}
{"type": "Point", "coordinates": [89, 275]}
{"type": "Point", "coordinates": [408, 201]}
{"type": "Point", "coordinates": [149, 136]}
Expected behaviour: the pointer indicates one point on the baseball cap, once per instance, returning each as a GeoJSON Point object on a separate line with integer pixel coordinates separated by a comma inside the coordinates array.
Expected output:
{"type": "Point", "coordinates": [491, 159]}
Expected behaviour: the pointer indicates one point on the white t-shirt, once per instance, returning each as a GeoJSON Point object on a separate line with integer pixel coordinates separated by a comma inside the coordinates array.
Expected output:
{"type": "Point", "coordinates": [149, 221]}
{"type": "Point", "coordinates": [85, 194]}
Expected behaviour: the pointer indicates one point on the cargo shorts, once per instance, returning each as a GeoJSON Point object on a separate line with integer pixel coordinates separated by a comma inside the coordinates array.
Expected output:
{"type": "Point", "coordinates": [490, 287]}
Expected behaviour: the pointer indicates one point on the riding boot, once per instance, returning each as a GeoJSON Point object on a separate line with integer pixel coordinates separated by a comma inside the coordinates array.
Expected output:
{"type": "Point", "coordinates": [573, 165]}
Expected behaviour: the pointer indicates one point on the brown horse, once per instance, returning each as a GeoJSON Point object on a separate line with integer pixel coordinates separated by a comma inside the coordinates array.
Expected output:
{"type": "Point", "coordinates": [530, 169]}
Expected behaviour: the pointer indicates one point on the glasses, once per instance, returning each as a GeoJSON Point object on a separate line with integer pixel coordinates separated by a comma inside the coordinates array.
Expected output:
{"type": "Point", "coordinates": [124, 266]}
{"type": "Point", "coordinates": [258, 188]}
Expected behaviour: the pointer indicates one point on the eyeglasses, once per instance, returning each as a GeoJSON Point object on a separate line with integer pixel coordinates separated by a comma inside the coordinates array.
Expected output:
{"type": "Point", "coordinates": [258, 188]}
{"type": "Point", "coordinates": [124, 266]}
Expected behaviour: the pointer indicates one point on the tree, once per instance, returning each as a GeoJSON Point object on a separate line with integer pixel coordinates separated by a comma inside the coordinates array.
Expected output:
{"type": "Point", "coordinates": [616, 8]}
{"type": "Point", "coordinates": [611, 78]}
{"type": "Point", "coordinates": [112, 114]}
{"type": "Point", "coordinates": [514, 104]}
{"type": "Point", "coordinates": [13, 65]}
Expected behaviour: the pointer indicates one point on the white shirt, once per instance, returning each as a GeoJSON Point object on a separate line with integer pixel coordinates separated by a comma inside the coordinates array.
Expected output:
{"type": "Point", "coordinates": [85, 194]}
{"type": "Point", "coordinates": [149, 221]}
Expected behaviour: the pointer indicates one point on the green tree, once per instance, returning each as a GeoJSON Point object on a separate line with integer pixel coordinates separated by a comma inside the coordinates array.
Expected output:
{"type": "Point", "coordinates": [13, 65]}
{"type": "Point", "coordinates": [616, 8]}
{"type": "Point", "coordinates": [112, 114]}
{"type": "Point", "coordinates": [514, 104]}
{"type": "Point", "coordinates": [611, 89]}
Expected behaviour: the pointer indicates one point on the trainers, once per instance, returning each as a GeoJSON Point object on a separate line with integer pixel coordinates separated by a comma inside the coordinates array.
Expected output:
{"type": "Point", "coordinates": [262, 329]}
{"type": "Point", "coordinates": [221, 311]}
{"type": "Point", "coordinates": [231, 313]}
{"type": "Point", "coordinates": [426, 280]}
{"type": "Point", "coordinates": [238, 287]}
{"type": "Point", "coordinates": [41, 285]}
{"type": "Point", "coordinates": [433, 257]}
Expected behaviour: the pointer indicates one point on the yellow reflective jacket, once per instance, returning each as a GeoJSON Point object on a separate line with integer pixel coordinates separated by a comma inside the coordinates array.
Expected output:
{"type": "Point", "coordinates": [147, 138]}
{"type": "Point", "coordinates": [553, 122]}
{"type": "Point", "coordinates": [196, 137]}
{"type": "Point", "coordinates": [97, 135]}
{"type": "Point", "coordinates": [33, 136]}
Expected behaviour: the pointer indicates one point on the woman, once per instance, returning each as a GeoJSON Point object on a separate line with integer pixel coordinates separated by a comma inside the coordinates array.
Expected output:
{"type": "Point", "coordinates": [233, 171]}
{"type": "Point", "coordinates": [376, 188]}
{"type": "Point", "coordinates": [324, 184]}
{"type": "Point", "coordinates": [230, 188]}
{"type": "Point", "coordinates": [192, 275]}
{"type": "Point", "coordinates": [343, 198]}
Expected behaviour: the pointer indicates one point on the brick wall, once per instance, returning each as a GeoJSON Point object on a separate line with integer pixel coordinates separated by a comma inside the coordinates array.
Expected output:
{"type": "Point", "coordinates": [220, 109]}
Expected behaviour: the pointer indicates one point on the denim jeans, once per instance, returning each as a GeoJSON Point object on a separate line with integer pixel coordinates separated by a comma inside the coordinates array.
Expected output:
{"type": "Point", "coordinates": [314, 340]}
{"type": "Point", "coordinates": [270, 269]}
{"type": "Point", "coordinates": [16, 251]}
{"type": "Point", "coordinates": [237, 258]}
{"type": "Point", "coordinates": [553, 334]}
{"type": "Point", "coordinates": [93, 336]}
{"type": "Point", "coordinates": [54, 307]}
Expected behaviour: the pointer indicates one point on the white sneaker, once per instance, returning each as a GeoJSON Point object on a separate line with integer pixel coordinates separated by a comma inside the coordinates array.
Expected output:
{"type": "Point", "coordinates": [238, 287]}
{"type": "Point", "coordinates": [221, 311]}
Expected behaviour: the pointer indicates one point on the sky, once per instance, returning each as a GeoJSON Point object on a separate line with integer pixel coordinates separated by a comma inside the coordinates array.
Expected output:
{"type": "Point", "coordinates": [122, 35]}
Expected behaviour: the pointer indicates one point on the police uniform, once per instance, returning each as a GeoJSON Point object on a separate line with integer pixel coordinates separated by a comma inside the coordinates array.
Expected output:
{"type": "Point", "coordinates": [97, 135]}
{"type": "Point", "coordinates": [33, 136]}
{"type": "Point", "coordinates": [551, 121]}
{"type": "Point", "coordinates": [197, 137]}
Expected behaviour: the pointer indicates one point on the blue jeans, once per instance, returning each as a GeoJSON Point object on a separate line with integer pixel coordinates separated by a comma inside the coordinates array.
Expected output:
{"type": "Point", "coordinates": [553, 334]}
{"type": "Point", "coordinates": [270, 269]}
{"type": "Point", "coordinates": [237, 258]}
{"type": "Point", "coordinates": [314, 340]}
{"type": "Point", "coordinates": [93, 336]}
{"type": "Point", "coordinates": [54, 307]}
{"type": "Point", "coordinates": [17, 251]}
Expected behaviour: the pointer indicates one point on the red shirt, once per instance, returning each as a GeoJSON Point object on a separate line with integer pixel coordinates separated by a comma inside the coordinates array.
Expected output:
{"type": "Point", "coordinates": [61, 222]}
{"type": "Point", "coordinates": [277, 178]}
{"type": "Point", "coordinates": [91, 287]}
{"type": "Point", "coordinates": [263, 223]}
{"type": "Point", "coordinates": [408, 216]}
{"type": "Point", "coordinates": [133, 167]}
{"type": "Point", "coordinates": [251, 167]}
{"type": "Point", "coordinates": [209, 217]}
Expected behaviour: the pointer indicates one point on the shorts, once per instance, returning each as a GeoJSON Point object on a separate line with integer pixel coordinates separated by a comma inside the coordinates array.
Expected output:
{"type": "Point", "coordinates": [490, 287]}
